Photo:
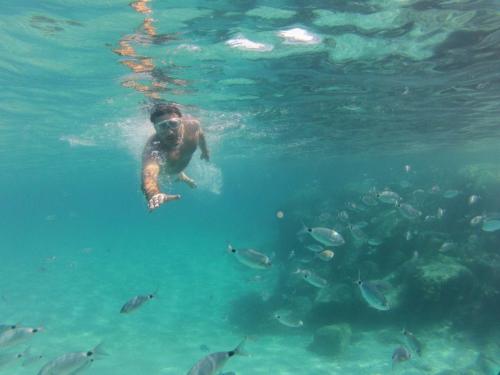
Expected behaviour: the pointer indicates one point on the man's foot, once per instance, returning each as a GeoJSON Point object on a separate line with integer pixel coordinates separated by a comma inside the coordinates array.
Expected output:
{"type": "Point", "coordinates": [158, 199]}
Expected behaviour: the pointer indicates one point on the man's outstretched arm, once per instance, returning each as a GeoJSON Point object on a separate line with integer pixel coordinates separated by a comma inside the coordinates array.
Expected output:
{"type": "Point", "coordinates": [150, 187]}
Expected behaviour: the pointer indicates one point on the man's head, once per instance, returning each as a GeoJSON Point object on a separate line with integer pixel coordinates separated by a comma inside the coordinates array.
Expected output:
{"type": "Point", "coordinates": [167, 120]}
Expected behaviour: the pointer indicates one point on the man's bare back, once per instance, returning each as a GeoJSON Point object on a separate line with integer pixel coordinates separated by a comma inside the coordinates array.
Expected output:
{"type": "Point", "coordinates": [169, 151]}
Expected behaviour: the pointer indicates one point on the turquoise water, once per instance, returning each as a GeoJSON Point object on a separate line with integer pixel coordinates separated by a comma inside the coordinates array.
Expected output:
{"type": "Point", "coordinates": [307, 127]}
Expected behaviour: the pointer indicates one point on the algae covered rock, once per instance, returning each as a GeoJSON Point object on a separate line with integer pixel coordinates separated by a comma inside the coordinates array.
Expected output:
{"type": "Point", "coordinates": [439, 286]}
{"type": "Point", "coordinates": [331, 340]}
{"type": "Point", "coordinates": [483, 176]}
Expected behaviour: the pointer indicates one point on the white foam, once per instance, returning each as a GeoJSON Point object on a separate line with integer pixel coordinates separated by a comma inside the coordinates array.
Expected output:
{"type": "Point", "coordinates": [248, 45]}
{"type": "Point", "coordinates": [208, 176]}
{"type": "Point", "coordinates": [75, 141]}
{"type": "Point", "coordinates": [299, 36]}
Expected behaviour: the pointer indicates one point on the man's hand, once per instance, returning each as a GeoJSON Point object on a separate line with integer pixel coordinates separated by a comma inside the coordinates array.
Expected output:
{"type": "Point", "coordinates": [205, 156]}
{"type": "Point", "coordinates": [158, 199]}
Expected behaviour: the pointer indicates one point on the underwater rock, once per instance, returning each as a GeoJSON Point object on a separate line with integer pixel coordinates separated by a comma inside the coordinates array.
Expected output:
{"type": "Point", "coordinates": [331, 340]}
{"type": "Point", "coordinates": [438, 286]}
{"type": "Point", "coordinates": [483, 176]}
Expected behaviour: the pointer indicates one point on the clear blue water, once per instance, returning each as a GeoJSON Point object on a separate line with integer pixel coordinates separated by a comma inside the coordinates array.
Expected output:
{"type": "Point", "coordinates": [306, 128]}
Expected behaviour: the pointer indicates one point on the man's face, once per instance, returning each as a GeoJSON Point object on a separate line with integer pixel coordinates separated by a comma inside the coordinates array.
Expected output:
{"type": "Point", "coordinates": [167, 127]}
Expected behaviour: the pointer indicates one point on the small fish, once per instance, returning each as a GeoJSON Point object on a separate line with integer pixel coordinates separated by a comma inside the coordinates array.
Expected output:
{"type": "Point", "coordinates": [412, 342]}
{"type": "Point", "coordinates": [17, 335]}
{"type": "Point", "coordinates": [325, 255]}
{"type": "Point", "coordinates": [280, 214]}
{"type": "Point", "coordinates": [447, 246]}
{"type": "Point", "coordinates": [405, 184]}
{"type": "Point", "coordinates": [372, 294]}
{"type": "Point", "coordinates": [435, 189]}
{"type": "Point", "coordinates": [72, 363]}
{"type": "Point", "coordinates": [326, 236]}
{"type": "Point", "coordinates": [135, 302]}
{"type": "Point", "coordinates": [375, 241]}
{"type": "Point", "coordinates": [343, 216]}
{"type": "Point", "coordinates": [369, 200]}
{"type": "Point", "coordinates": [476, 220]}
{"type": "Point", "coordinates": [288, 320]}
{"type": "Point", "coordinates": [473, 199]}
{"type": "Point", "coordinates": [388, 197]}
{"type": "Point", "coordinates": [450, 194]}
{"type": "Point", "coordinates": [399, 355]}
{"type": "Point", "coordinates": [408, 235]}
{"type": "Point", "coordinates": [213, 363]}
{"type": "Point", "coordinates": [291, 255]}
{"type": "Point", "coordinates": [315, 248]}
{"type": "Point", "coordinates": [440, 213]}
{"type": "Point", "coordinates": [491, 225]}
{"type": "Point", "coordinates": [358, 233]}
{"type": "Point", "coordinates": [312, 278]}
{"type": "Point", "coordinates": [407, 168]}
{"type": "Point", "coordinates": [251, 258]}
{"type": "Point", "coordinates": [408, 211]}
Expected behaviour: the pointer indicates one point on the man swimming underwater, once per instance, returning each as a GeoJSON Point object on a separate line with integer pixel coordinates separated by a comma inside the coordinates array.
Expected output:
{"type": "Point", "coordinates": [169, 151]}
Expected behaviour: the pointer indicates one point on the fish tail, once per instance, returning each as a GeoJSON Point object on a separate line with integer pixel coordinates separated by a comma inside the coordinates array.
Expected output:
{"type": "Point", "coordinates": [99, 351]}
{"type": "Point", "coordinates": [302, 230]}
{"type": "Point", "coordinates": [240, 349]}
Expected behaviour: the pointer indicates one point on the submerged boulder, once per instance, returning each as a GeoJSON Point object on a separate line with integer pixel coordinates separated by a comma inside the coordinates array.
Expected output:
{"type": "Point", "coordinates": [331, 340]}
{"type": "Point", "coordinates": [439, 286]}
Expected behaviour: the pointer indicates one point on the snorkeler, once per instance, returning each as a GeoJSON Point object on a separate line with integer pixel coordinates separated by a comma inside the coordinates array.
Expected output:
{"type": "Point", "coordinates": [169, 151]}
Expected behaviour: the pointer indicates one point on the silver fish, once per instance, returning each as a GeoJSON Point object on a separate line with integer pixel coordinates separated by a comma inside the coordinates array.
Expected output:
{"type": "Point", "coordinates": [447, 246]}
{"type": "Point", "coordinates": [412, 342]}
{"type": "Point", "coordinates": [372, 295]}
{"type": "Point", "coordinates": [17, 335]}
{"type": "Point", "coordinates": [358, 233]}
{"type": "Point", "coordinates": [408, 211]}
{"type": "Point", "coordinates": [72, 363]}
{"type": "Point", "coordinates": [473, 199]}
{"type": "Point", "coordinates": [315, 248]}
{"type": "Point", "coordinates": [326, 236]}
{"type": "Point", "coordinates": [343, 216]}
{"type": "Point", "coordinates": [135, 302]}
{"type": "Point", "coordinates": [476, 220]}
{"type": "Point", "coordinates": [369, 200]}
{"type": "Point", "coordinates": [491, 225]}
{"type": "Point", "coordinates": [450, 194]}
{"type": "Point", "coordinates": [375, 241]}
{"type": "Point", "coordinates": [388, 197]}
{"type": "Point", "coordinates": [288, 320]}
{"type": "Point", "coordinates": [212, 363]}
{"type": "Point", "coordinates": [440, 213]}
{"type": "Point", "coordinates": [325, 255]}
{"type": "Point", "coordinates": [399, 355]}
{"type": "Point", "coordinates": [312, 278]}
{"type": "Point", "coordinates": [250, 257]}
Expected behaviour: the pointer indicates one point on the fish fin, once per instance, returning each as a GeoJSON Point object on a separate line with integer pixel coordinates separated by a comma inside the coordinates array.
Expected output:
{"type": "Point", "coordinates": [240, 349]}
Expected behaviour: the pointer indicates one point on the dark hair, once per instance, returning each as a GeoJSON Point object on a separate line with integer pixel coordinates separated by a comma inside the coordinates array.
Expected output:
{"type": "Point", "coordinates": [161, 109]}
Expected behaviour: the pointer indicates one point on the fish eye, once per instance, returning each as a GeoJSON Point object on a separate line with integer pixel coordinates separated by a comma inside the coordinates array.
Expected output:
{"type": "Point", "coordinates": [309, 230]}
{"type": "Point", "coordinates": [233, 250]}
{"type": "Point", "coordinates": [13, 327]}
{"type": "Point", "coordinates": [19, 355]}
{"type": "Point", "coordinates": [35, 330]}
{"type": "Point", "coordinates": [89, 354]}
{"type": "Point", "coordinates": [151, 296]}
